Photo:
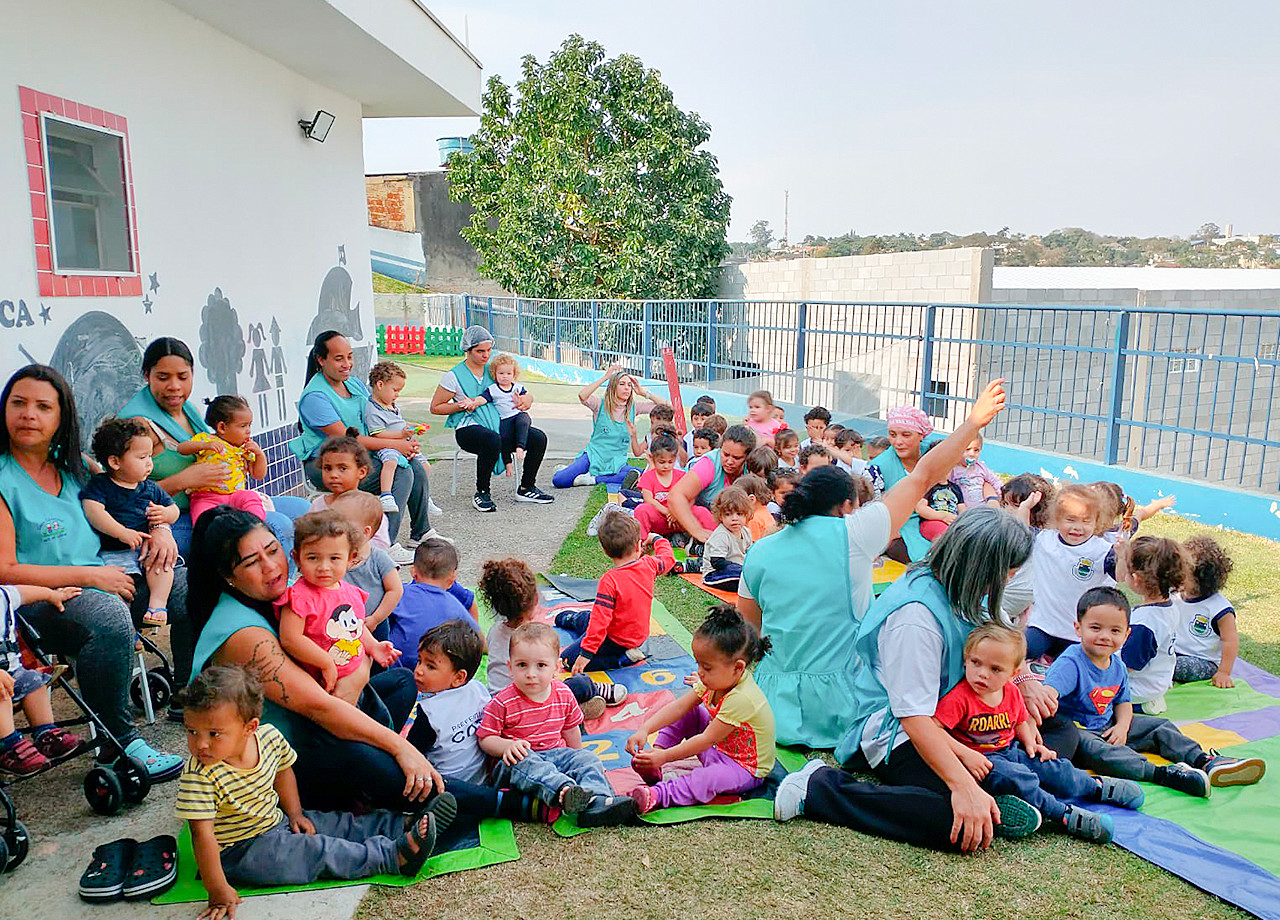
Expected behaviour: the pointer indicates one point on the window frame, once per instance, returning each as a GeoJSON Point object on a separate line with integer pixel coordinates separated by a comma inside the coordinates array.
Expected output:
{"type": "Point", "coordinates": [35, 108]}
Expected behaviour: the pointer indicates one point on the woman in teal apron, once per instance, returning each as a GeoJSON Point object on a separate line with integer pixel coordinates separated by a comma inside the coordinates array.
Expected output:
{"type": "Point", "coordinates": [908, 426]}
{"type": "Point", "coordinates": [333, 402]}
{"type": "Point", "coordinates": [164, 402]}
{"type": "Point", "coordinates": [613, 422]}
{"type": "Point", "coordinates": [475, 423]}
{"type": "Point", "coordinates": [909, 651]}
{"type": "Point", "coordinates": [809, 585]}
{"type": "Point", "coordinates": [46, 540]}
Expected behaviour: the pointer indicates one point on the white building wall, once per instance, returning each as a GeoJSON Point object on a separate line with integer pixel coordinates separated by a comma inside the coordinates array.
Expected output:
{"type": "Point", "coordinates": [230, 197]}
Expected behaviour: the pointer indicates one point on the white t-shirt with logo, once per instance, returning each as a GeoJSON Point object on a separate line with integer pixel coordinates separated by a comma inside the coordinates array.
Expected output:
{"type": "Point", "coordinates": [1060, 574]}
{"type": "Point", "coordinates": [1154, 680]}
{"type": "Point", "coordinates": [454, 716]}
{"type": "Point", "coordinates": [1197, 626]}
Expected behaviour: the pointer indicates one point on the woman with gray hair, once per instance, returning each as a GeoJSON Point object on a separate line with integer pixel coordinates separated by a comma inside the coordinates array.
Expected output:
{"type": "Point", "coordinates": [460, 396]}
{"type": "Point", "coordinates": [910, 650]}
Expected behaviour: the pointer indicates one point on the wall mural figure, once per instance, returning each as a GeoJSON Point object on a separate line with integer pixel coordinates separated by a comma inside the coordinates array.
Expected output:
{"type": "Point", "coordinates": [337, 312]}
{"type": "Point", "coordinates": [278, 368]}
{"type": "Point", "coordinates": [258, 370]}
{"type": "Point", "coordinates": [221, 343]}
{"type": "Point", "coordinates": [102, 363]}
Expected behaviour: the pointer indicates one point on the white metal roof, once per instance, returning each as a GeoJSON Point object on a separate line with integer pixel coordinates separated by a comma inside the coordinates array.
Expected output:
{"type": "Point", "coordinates": [1142, 279]}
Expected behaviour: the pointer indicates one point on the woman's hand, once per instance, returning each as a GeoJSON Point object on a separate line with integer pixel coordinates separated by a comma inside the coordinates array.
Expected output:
{"type": "Point", "coordinates": [409, 448]}
{"type": "Point", "coordinates": [420, 777]}
{"type": "Point", "coordinates": [201, 477]}
{"type": "Point", "coordinates": [1041, 701]}
{"type": "Point", "coordinates": [161, 552]}
{"type": "Point", "coordinates": [974, 818]}
{"type": "Point", "coordinates": [989, 403]}
{"type": "Point", "coordinates": [113, 580]}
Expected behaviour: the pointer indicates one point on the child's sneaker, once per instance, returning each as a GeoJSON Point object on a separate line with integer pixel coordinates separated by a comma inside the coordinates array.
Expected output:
{"type": "Point", "coordinates": [636, 655]}
{"type": "Point", "coordinates": [788, 801]}
{"type": "Point", "coordinates": [58, 742]}
{"type": "Point", "coordinates": [1088, 825]}
{"type": "Point", "coordinates": [1017, 818]}
{"type": "Point", "coordinates": [593, 529]}
{"type": "Point", "coordinates": [690, 566]}
{"type": "Point", "coordinates": [22, 759]}
{"type": "Point", "coordinates": [388, 503]}
{"type": "Point", "coordinates": [607, 811]}
{"type": "Point", "coordinates": [593, 708]}
{"type": "Point", "coordinates": [1183, 778]}
{"type": "Point", "coordinates": [629, 481]}
{"type": "Point", "coordinates": [645, 798]}
{"type": "Point", "coordinates": [1156, 706]}
{"type": "Point", "coordinates": [612, 694]}
{"type": "Point", "coordinates": [574, 799]}
{"type": "Point", "coordinates": [1234, 771]}
{"type": "Point", "coordinates": [1122, 793]}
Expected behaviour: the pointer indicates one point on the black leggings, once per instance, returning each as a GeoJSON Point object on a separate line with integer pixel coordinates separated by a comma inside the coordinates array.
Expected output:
{"type": "Point", "coordinates": [487, 445]}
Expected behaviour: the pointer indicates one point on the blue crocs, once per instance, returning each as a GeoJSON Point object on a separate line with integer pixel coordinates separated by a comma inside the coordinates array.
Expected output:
{"type": "Point", "coordinates": [160, 766]}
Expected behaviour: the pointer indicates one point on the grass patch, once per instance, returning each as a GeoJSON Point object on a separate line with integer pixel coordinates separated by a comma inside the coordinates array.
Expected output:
{"type": "Point", "coordinates": [759, 869]}
{"type": "Point", "coordinates": [382, 284]}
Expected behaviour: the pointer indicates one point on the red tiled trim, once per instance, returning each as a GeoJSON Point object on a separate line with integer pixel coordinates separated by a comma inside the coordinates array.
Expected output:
{"type": "Point", "coordinates": [32, 103]}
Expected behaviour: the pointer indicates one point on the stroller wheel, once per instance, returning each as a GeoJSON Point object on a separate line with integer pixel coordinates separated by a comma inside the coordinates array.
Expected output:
{"type": "Point", "coordinates": [4, 854]}
{"type": "Point", "coordinates": [103, 790]}
{"type": "Point", "coordinates": [158, 683]}
{"type": "Point", "coordinates": [18, 843]}
{"type": "Point", "coordinates": [135, 781]}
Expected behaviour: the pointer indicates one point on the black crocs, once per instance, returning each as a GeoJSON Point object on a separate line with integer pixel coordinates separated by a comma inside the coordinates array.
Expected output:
{"type": "Point", "coordinates": [154, 868]}
{"type": "Point", "coordinates": [105, 877]}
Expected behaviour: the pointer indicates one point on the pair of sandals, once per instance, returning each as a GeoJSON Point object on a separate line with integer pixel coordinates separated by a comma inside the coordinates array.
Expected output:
{"type": "Point", "coordinates": [129, 870]}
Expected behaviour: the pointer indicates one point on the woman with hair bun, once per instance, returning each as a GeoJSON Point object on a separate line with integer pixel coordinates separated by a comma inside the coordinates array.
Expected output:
{"type": "Point", "coordinates": [808, 586]}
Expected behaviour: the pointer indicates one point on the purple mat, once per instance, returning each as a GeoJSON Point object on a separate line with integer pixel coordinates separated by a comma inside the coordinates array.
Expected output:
{"type": "Point", "coordinates": [1251, 726]}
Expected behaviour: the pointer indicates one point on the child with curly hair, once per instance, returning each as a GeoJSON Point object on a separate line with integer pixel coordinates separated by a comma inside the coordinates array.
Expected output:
{"type": "Point", "coordinates": [1154, 568]}
{"type": "Point", "coordinates": [724, 720]}
{"type": "Point", "coordinates": [1207, 641]}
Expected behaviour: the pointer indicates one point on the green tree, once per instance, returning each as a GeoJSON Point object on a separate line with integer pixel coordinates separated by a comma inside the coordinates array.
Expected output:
{"type": "Point", "coordinates": [1209, 231]}
{"type": "Point", "coordinates": [761, 235]}
{"type": "Point", "coordinates": [588, 181]}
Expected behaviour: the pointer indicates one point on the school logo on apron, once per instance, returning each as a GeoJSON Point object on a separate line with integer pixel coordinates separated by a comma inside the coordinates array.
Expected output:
{"type": "Point", "coordinates": [52, 529]}
{"type": "Point", "coordinates": [1200, 625]}
{"type": "Point", "coordinates": [1083, 568]}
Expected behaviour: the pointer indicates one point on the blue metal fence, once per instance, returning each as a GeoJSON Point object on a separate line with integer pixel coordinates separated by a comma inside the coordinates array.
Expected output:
{"type": "Point", "coordinates": [1174, 390]}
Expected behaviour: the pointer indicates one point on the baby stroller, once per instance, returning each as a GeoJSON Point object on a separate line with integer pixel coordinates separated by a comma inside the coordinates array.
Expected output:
{"type": "Point", "coordinates": [107, 786]}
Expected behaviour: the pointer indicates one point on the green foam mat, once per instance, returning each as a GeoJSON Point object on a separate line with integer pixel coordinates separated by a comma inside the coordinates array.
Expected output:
{"type": "Point", "coordinates": [497, 844]}
{"type": "Point", "coordinates": [1200, 701]}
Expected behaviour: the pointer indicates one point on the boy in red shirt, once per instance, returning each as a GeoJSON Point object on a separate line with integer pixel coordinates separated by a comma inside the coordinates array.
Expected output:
{"type": "Point", "coordinates": [534, 728]}
{"type": "Point", "coordinates": [618, 622]}
{"type": "Point", "coordinates": [992, 734]}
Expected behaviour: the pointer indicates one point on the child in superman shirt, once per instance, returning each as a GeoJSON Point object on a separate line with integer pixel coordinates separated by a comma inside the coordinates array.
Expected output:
{"type": "Point", "coordinates": [992, 734]}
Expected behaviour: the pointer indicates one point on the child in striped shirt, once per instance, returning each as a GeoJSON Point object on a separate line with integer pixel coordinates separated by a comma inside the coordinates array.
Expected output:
{"type": "Point", "coordinates": [240, 797]}
{"type": "Point", "coordinates": [534, 728]}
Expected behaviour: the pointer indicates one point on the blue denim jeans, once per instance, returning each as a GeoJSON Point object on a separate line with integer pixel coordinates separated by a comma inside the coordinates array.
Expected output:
{"type": "Point", "coordinates": [1038, 782]}
{"type": "Point", "coordinates": [545, 773]}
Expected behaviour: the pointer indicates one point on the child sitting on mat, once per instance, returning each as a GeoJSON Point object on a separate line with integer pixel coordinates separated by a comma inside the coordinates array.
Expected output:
{"type": "Point", "coordinates": [239, 796]}
{"type": "Point", "coordinates": [372, 570]}
{"type": "Point", "coordinates": [618, 622]}
{"type": "Point", "coordinates": [428, 600]}
{"type": "Point", "coordinates": [725, 721]}
{"type": "Point", "coordinates": [1207, 642]}
{"type": "Point", "coordinates": [534, 727]}
{"type": "Point", "coordinates": [511, 588]}
{"type": "Point", "coordinates": [656, 483]}
{"type": "Point", "coordinates": [726, 548]}
{"type": "Point", "coordinates": [1153, 568]}
{"type": "Point", "coordinates": [1090, 685]}
{"type": "Point", "coordinates": [993, 735]}
{"type": "Point", "coordinates": [761, 523]}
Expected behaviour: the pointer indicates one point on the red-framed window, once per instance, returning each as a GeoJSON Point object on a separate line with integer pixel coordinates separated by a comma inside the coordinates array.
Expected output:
{"type": "Point", "coordinates": [83, 218]}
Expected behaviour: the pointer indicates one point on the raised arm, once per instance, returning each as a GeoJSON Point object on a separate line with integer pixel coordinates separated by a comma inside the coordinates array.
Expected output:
{"type": "Point", "coordinates": [585, 393]}
{"type": "Point", "coordinates": [938, 460]}
{"type": "Point", "coordinates": [284, 683]}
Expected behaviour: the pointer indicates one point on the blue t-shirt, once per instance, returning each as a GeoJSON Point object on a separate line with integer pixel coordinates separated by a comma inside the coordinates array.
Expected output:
{"type": "Point", "coordinates": [1087, 693]}
{"type": "Point", "coordinates": [422, 607]}
{"type": "Point", "coordinates": [465, 596]}
{"type": "Point", "coordinates": [127, 507]}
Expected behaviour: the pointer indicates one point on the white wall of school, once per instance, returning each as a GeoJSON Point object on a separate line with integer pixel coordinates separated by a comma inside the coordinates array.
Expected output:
{"type": "Point", "coordinates": [230, 197]}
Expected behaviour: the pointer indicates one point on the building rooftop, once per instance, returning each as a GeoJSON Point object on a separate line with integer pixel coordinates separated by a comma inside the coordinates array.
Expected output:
{"type": "Point", "coordinates": [1142, 279]}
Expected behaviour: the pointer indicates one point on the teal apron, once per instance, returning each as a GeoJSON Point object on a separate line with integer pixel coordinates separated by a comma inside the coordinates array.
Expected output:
{"type": "Point", "coordinates": [892, 472]}
{"type": "Point", "coordinates": [47, 529]}
{"type": "Point", "coordinates": [350, 412]}
{"type": "Point", "coordinates": [486, 415]}
{"type": "Point", "coordinates": [610, 442]}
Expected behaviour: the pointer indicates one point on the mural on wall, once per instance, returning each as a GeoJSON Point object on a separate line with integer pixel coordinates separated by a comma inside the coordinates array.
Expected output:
{"type": "Point", "coordinates": [103, 365]}
{"type": "Point", "coordinates": [279, 369]}
{"type": "Point", "coordinates": [221, 342]}
{"type": "Point", "coordinates": [258, 370]}
{"type": "Point", "coordinates": [337, 312]}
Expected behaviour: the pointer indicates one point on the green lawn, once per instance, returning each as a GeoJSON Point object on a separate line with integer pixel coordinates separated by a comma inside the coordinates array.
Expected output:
{"type": "Point", "coordinates": [735, 869]}
{"type": "Point", "coordinates": [385, 285]}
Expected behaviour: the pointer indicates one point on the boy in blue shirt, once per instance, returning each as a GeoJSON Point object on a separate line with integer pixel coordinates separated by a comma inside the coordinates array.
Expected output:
{"type": "Point", "coordinates": [429, 600]}
{"type": "Point", "coordinates": [1091, 683]}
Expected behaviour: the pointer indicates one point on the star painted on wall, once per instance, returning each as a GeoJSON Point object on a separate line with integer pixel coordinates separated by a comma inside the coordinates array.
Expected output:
{"type": "Point", "coordinates": [155, 284]}
{"type": "Point", "coordinates": [146, 304]}
{"type": "Point", "coordinates": [342, 255]}
{"type": "Point", "coordinates": [44, 314]}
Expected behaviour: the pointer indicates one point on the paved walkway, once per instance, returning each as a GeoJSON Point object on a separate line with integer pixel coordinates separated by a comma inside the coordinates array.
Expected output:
{"type": "Point", "coordinates": [64, 830]}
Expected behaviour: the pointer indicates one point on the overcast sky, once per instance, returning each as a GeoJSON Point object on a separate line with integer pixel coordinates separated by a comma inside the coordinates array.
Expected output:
{"type": "Point", "coordinates": [1128, 118]}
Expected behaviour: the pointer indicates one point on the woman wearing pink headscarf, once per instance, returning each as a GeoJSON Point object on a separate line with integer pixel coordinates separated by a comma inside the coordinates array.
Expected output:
{"type": "Point", "coordinates": [908, 426]}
